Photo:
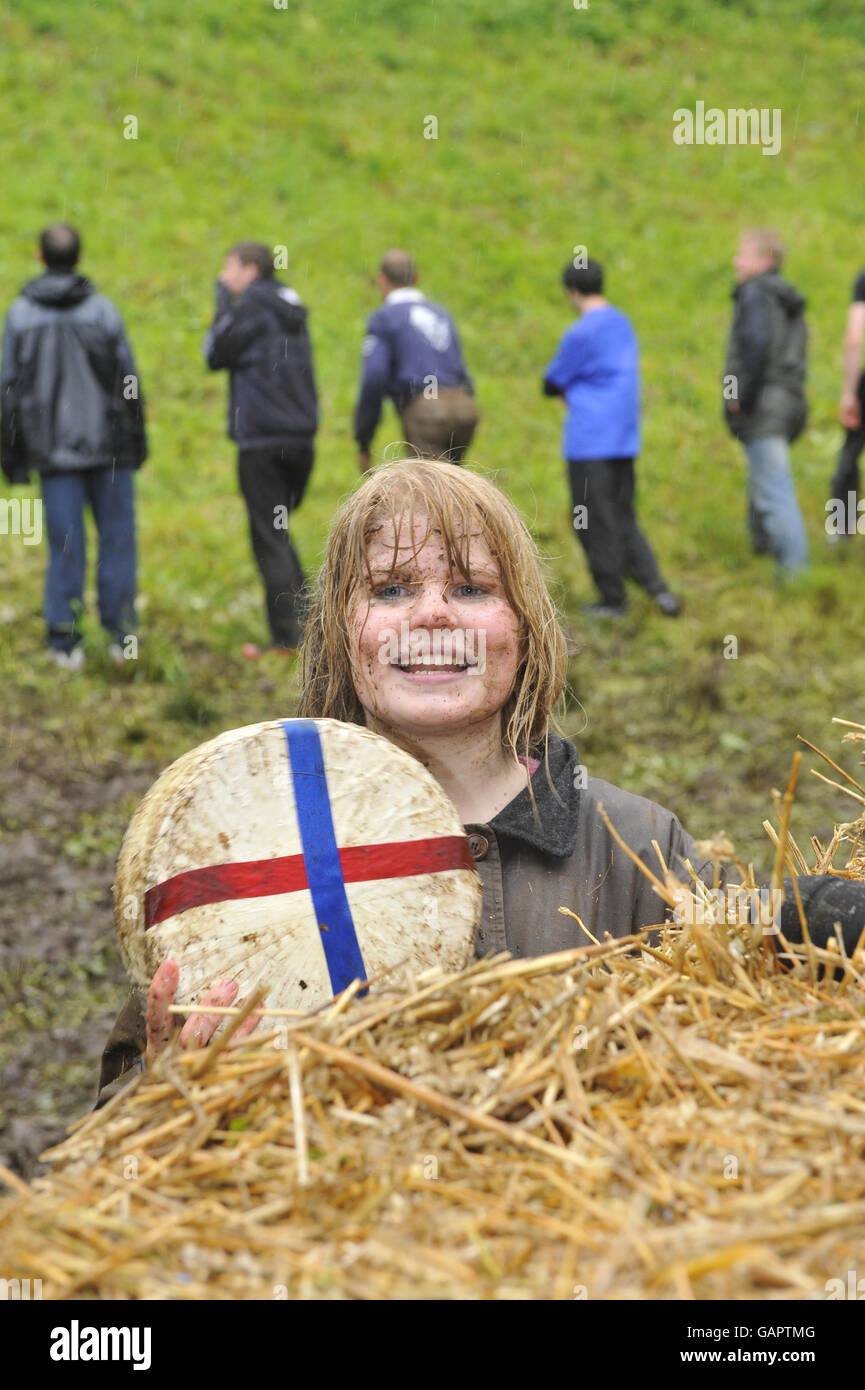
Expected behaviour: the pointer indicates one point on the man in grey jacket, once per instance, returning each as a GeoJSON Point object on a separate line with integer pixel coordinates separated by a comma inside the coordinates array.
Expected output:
{"type": "Point", "coordinates": [764, 396]}
{"type": "Point", "coordinates": [72, 412]}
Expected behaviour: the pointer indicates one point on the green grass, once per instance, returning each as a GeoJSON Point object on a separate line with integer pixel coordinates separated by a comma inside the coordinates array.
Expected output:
{"type": "Point", "coordinates": [304, 127]}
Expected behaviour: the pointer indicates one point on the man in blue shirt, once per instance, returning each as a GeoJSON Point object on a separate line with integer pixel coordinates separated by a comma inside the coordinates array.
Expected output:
{"type": "Point", "coordinates": [596, 370]}
{"type": "Point", "coordinates": [412, 353]}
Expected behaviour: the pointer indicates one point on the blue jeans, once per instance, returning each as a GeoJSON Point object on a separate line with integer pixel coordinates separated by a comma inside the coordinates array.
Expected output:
{"type": "Point", "coordinates": [774, 517]}
{"type": "Point", "coordinates": [110, 492]}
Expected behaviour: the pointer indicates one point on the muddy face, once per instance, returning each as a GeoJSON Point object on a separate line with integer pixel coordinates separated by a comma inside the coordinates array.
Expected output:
{"type": "Point", "coordinates": [432, 651]}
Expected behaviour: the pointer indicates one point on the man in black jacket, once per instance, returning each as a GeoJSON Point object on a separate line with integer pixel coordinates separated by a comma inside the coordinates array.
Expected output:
{"type": "Point", "coordinates": [764, 395]}
{"type": "Point", "coordinates": [72, 412]}
{"type": "Point", "coordinates": [845, 482]}
{"type": "Point", "coordinates": [260, 334]}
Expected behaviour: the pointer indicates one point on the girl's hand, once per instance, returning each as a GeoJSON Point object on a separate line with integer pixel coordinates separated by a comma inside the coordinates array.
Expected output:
{"type": "Point", "coordinates": [199, 1028]}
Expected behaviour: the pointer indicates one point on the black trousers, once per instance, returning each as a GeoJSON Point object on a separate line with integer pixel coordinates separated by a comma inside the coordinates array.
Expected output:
{"type": "Point", "coordinates": [846, 476]}
{"type": "Point", "coordinates": [273, 482]}
{"type": "Point", "coordinates": [607, 528]}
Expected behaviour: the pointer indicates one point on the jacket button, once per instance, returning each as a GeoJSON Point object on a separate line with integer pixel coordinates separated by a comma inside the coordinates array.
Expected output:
{"type": "Point", "coordinates": [479, 844]}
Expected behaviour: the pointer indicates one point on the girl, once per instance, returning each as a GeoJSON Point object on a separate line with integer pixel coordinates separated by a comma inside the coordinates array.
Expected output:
{"type": "Point", "coordinates": [431, 624]}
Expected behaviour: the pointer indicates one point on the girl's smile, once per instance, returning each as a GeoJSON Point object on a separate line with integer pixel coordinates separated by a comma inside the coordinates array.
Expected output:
{"type": "Point", "coordinates": [432, 650]}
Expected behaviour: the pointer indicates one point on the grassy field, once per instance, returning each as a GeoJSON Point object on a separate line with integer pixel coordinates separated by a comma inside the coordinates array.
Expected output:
{"type": "Point", "coordinates": [304, 127]}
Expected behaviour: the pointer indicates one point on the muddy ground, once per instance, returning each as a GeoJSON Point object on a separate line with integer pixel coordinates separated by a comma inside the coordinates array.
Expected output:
{"type": "Point", "coordinates": [61, 977]}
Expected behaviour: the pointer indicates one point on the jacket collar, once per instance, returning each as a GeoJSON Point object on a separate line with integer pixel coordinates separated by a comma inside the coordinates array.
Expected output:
{"type": "Point", "coordinates": [554, 831]}
{"type": "Point", "coordinates": [404, 295]}
{"type": "Point", "coordinates": [59, 289]}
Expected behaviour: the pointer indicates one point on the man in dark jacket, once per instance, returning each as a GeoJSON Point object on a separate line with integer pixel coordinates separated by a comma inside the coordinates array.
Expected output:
{"type": "Point", "coordinates": [764, 395]}
{"type": "Point", "coordinates": [412, 353]}
{"type": "Point", "coordinates": [845, 482]}
{"type": "Point", "coordinates": [260, 334]}
{"type": "Point", "coordinates": [72, 412]}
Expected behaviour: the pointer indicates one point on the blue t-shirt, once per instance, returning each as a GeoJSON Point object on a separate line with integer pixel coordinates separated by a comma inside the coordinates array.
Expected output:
{"type": "Point", "coordinates": [597, 368]}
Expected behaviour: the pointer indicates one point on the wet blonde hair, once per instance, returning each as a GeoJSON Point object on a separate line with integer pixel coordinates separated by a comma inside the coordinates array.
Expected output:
{"type": "Point", "coordinates": [456, 503]}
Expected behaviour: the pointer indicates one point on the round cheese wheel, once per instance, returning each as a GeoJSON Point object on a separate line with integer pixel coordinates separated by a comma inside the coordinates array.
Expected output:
{"type": "Point", "coordinates": [297, 854]}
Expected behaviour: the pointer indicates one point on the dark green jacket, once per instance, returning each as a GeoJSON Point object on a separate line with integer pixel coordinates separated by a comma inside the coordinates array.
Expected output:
{"type": "Point", "coordinates": [767, 358]}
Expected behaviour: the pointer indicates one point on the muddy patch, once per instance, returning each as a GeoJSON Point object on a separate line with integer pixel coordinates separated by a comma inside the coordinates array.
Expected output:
{"type": "Point", "coordinates": [61, 978]}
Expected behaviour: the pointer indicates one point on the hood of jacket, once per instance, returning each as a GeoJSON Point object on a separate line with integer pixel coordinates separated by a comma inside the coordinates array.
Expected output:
{"type": "Point", "coordinates": [554, 829]}
{"type": "Point", "coordinates": [59, 289]}
{"type": "Point", "coordinates": [786, 294]}
{"type": "Point", "coordinates": [281, 300]}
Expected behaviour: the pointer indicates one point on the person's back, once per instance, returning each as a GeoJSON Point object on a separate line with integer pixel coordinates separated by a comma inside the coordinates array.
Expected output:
{"type": "Point", "coordinates": [72, 411]}
{"type": "Point", "coordinates": [412, 353]}
{"type": "Point", "coordinates": [603, 394]}
{"type": "Point", "coordinates": [767, 355]}
{"type": "Point", "coordinates": [267, 349]}
{"type": "Point", "coordinates": [844, 502]}
{"type": "Point", "coordinates": [764, 394]}
{"type": "Point", "coordinates": [259, 333]}
{"type": "Point", "coordinates": [596, 370]}
{"type": "Point", "coordinates": [423, 342]}
{"type": "Point", "coordinates": [64, 389]}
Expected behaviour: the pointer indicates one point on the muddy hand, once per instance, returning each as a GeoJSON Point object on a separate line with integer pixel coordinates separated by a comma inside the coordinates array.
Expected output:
{"type": "Point", "coordinates": [159, 1021]}
{"type": "Point", "coordinates": [199, 1028]}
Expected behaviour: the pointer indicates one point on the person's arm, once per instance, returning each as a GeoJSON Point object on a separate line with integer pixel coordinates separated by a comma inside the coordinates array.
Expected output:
{"type": "Point", "coordinates": [827, 899]}
{"type": "Point", "coordinates": [565, 368]}
{"type": "Point", "coordinates": [374, 382]}
{"type": "Point", "coordinates": [849, 410]}
{"type": "Point", "coordinates": [123, 1057]}
{"type": "Point", "coordinates": [754, 335]}
{"type": "Point", "coordinates": [130, 392]}
{"type": "Point", "coordinates": [13, 454]}
{"type": "Point", "coordinates": [467, 382]}
{"type": "Point", "coordinates": [232, 332]}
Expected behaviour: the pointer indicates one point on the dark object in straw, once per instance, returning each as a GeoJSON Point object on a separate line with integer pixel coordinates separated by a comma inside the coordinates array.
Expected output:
{"type": "Point", "coordinates": [831, 904]}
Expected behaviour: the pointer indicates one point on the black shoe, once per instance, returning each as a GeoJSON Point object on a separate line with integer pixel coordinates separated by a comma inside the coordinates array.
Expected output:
{"type": "Point", "coordinates": [669, 605]}
{"type": "Point", "coordinates": [604, 610]}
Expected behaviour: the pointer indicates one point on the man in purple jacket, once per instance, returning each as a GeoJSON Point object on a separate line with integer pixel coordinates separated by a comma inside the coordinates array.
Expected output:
{"type": "Point", "coordinates": [412, 353]}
